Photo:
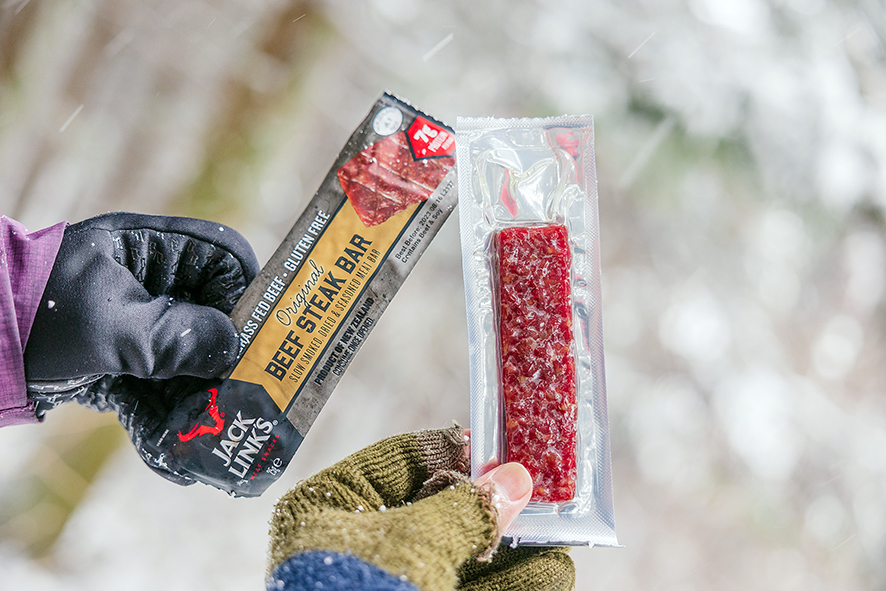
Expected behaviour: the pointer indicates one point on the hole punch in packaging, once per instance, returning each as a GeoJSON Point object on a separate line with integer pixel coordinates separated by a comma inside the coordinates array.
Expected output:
{"type": "Point", "coordinates": [530, 247]}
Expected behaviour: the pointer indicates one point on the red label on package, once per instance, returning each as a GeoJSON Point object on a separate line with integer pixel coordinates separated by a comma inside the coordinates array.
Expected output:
{"type": "Point", "coordinates": [429, 140]}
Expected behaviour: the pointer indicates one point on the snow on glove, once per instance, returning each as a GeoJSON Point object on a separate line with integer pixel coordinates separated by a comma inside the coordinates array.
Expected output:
{"type": "Point", "coordinates": [132, 302]}
{"type": "Point", "coordinates": [402, 515]}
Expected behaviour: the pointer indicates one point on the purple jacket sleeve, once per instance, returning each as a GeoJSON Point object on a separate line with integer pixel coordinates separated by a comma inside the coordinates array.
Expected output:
{"type": "Point", "coordinates": [25, 263]}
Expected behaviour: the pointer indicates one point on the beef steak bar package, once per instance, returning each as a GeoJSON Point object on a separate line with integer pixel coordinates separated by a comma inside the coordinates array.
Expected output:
{"type": "Point", "coordinates": [530, 249]}
{"type": "Point", "coordinates": [312, 306]}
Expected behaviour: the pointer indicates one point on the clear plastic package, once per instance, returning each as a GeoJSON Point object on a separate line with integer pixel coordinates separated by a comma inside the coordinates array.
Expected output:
{"type": "Point", "coordinates": [530, 247]}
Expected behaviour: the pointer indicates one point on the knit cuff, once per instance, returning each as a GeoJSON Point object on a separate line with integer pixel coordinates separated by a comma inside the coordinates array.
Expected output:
{"type": "Point", "coordinates": [331, 571]}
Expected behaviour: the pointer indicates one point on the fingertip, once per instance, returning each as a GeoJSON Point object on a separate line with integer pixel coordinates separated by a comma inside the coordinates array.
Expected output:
{"type": "Point", "coordinates": [221, 349]}
{"type": "Point", "coordinates": [205, 342]}
{"type": "Point", "coordinates": [511, 489]}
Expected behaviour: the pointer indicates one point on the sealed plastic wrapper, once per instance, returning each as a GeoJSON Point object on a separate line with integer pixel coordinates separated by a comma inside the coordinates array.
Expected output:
{"type": "Point", "coordinates": [530, 244]}
{"type": "Point", "coordinates": [306, 315]}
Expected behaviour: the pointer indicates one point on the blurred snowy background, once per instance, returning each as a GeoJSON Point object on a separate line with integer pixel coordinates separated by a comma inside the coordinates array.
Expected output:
{"type": "Point", "coordinates": [741, 151]}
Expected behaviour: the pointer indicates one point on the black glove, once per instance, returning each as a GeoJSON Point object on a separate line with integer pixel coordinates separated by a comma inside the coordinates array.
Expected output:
{"type": "Point", "coordinates": [132, 302]}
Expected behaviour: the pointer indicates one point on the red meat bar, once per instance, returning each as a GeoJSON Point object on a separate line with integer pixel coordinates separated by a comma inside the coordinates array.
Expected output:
{"type": "Point", "coordinates": [537, 356]}
{"type": "Point", "coordinates": [385, 178]}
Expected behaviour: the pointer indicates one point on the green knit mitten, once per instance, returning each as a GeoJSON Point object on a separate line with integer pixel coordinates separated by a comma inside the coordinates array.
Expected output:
{"type": "Point", "coordinates": [402, 514]}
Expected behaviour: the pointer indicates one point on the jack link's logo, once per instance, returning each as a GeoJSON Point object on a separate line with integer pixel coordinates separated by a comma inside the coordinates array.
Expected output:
{"type": "Point", "coordinates": [246, 438]}
{"type": "Point", "coordinates": [199, 430]}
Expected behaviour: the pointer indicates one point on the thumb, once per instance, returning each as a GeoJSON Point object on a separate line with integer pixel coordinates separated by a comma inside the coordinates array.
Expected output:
{"type": "Point", "coordinates": [189, 339]}
{"type": "Point", "coordinates": [511, 487]}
